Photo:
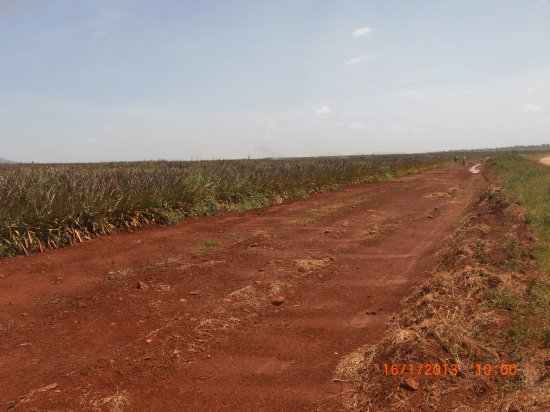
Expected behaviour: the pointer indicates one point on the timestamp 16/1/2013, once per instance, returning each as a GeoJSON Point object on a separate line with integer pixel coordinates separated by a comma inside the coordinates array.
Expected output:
{"type": "Point", "coordinates": [444, 369]}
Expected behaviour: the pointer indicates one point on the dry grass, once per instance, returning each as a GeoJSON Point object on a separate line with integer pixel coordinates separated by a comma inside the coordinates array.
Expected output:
{"type": "Point", "coordinates": [350, 365]}
{"type": "Point", "coordinates": [278, 287]}
{"type": "Point", "coordinates": [218, 323]}
{"type": "Point", "coordinates": [309, 265]}
{"type": "Point", "coordinates": [531, 400]}
{"type": "Point", "coordinates": [112, 403]}
{"type": "Point", "coordinates": [209, 263]}
{"type": "Point", "coordinates": [249, 296]}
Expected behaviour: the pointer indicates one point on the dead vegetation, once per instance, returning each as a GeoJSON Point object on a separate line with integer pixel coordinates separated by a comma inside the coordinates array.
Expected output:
{"type": "Point", "coordinates": [485, 304]}
{"type": "Point", "coordinates": [112, 403]}
{"type": "Point", "coordinates": [309, 265]}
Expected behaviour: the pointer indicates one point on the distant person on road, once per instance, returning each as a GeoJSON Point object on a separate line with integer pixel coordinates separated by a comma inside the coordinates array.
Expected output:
{"type": "Point", "coordinates": [456, 159]}
{"type": "Point", "coordinates": [463, 160]}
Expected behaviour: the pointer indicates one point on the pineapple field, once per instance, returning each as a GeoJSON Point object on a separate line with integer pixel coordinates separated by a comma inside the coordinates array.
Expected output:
{"type": "Point", "coordinates": [51, 206]}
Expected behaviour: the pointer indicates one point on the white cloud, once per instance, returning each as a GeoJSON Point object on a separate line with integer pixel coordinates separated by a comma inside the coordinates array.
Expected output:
{"type": "Point", "coordinates": [109, 129]}
{"type": "Point", "coordinates": [358, 59]}
{"type": "Point", "coordinates": [532, 108]}
{"type": "Point", "coordinates": [324, 110]}
{"type": "Point", "coordinates": [363, 31]}
{"type": "Point", "coordinates": [359, 125]}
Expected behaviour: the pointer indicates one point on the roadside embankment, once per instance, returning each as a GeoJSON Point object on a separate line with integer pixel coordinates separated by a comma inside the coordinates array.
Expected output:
{"type": "Point", "coordinates": [476, 335]}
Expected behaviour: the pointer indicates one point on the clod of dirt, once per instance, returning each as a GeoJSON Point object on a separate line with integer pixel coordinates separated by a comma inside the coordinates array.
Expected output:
{"type": "Point", "coordinates": [142, 285]}
{"type": "Point", "coordinates": [430, 216]}
{"type": "Point", "coordinates": [195, 292]}
{"type": "Point", "coordinates": [452, 190]}
{"type": "Point", "coordinates": [371, 313]}
{"type": "Point", "coordinates": [278, 300]}
{"type": "Point", "coordinates": [410, 384]}
{"type": "Point", "coordinates": [494, 188]}
{"type": "Point", "coordinates": [253, 244]}
{"type": "Point", "coordinates": [326, 232]}
{"type": "Point", "coordinates": [439, 195]}
{"type": "Point", "coordinates": [182, 300]}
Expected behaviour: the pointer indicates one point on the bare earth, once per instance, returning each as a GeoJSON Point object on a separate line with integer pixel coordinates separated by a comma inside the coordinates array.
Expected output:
{"type": "Point", "coordinates": [76, 333]}
{"type": "Point", "coordinates": [545, 161]}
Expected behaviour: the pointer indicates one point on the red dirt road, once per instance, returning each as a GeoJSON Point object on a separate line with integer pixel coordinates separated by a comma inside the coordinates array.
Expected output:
{"type": "Point", "coordinates": [76, 333]}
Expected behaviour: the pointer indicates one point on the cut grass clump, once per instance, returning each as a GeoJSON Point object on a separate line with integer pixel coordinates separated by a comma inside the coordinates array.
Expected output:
{"type": "Point", "coordinates": [499, 299]}
{"type": "Point", "coordinates": [210, 243]}
{"type": "Point", "coordinates": [113, 403]}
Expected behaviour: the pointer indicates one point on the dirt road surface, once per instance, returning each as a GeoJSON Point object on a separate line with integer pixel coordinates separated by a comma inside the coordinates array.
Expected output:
{"type": "Point", "coordinates": [545, 161]}
{"type": "Point", "coordinates": [201, 332]}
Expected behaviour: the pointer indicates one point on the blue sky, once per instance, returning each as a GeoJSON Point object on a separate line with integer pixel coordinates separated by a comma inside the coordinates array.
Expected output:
{"type": "Point", "coordinates": [98, 80]}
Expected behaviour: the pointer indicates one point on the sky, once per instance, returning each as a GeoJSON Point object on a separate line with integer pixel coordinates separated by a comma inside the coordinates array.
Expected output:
{"type": "Point", "coordinates": [100, 80]}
